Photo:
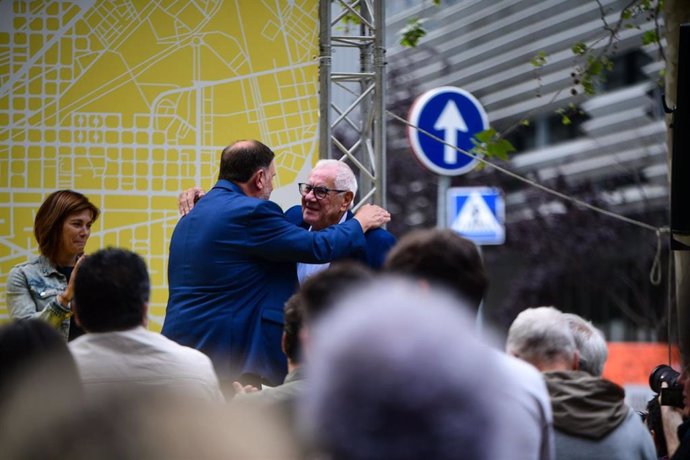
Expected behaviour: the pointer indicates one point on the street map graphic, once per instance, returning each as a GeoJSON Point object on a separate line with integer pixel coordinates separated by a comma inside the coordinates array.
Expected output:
{"type": "Point", "coordinates": [131, 102]}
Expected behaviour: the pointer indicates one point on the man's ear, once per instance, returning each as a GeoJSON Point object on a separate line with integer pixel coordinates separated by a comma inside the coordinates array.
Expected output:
{"type": "Point", "coordinates": [347, 201]}
{"type": "Point", "coordinates": [145, 315]}
{"type": "Point", "coordinates": [259, 179]}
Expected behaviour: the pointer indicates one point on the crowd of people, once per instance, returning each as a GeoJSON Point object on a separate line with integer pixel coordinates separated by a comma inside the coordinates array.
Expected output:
{"type": "Point", "coordinates": [306, 334]}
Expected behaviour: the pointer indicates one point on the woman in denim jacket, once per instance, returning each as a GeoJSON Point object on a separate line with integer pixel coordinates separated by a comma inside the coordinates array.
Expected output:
{"type": "Point", "coordinates": [42, 287]}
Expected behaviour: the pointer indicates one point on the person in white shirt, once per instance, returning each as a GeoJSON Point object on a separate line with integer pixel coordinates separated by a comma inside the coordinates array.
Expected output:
{"type": "Point", "coordinates": [118, 353]}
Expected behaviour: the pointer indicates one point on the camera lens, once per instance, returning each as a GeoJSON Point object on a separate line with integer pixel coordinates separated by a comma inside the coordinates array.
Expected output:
{"type": "Point", "coordinates": [663, 373]}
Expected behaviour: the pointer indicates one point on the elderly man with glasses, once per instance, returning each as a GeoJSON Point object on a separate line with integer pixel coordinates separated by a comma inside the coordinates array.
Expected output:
{"type": "Point", "coordinates": [327, 198]}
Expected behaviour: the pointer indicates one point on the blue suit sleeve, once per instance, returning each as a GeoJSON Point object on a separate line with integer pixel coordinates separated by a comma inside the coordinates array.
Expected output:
{"type": "Point", "coordinates": [379, 243]}
{"type": "Point", "coordinates": [273, 237]}
{"type": "Point", "coordinates": [294, 215]}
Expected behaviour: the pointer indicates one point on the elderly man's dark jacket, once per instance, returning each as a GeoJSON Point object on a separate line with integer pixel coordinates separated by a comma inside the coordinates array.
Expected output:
{"type": "Point", "coordinates": [379, 241]}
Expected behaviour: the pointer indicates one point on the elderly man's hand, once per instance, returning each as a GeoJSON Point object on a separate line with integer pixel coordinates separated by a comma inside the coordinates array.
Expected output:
{"type": "Point", "coordinates": [187, 199]}
{"type": "Point", "coordinates": [372, 216]}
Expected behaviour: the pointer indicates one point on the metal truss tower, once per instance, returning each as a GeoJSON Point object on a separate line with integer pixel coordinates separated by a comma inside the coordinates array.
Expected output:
{"type": "Point", "coordinates": [355, 131]}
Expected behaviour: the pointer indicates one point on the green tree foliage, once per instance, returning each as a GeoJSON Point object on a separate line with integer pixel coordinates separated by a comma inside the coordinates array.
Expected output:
{"type": "Point", "coordinates": [489, 143]}
{"type": "Point", "coordinates": [414, 30]}
{"type": "Point", "coordinates": [593, 60]}
{"type": "Point", "coordinates": [412, 33]}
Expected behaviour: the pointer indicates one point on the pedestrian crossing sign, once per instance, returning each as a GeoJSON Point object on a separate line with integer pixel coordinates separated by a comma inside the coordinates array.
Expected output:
{"type": "Point", "coordinates": [477, 213]}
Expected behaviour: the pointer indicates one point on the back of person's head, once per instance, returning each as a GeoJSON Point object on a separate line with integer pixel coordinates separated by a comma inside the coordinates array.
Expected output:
{"type": "Point", "coordinates": [390, 379]}
{"type": "Point", "coordinates": [240, 160]}
{"type": "Point", "coordinates": [542, 337]}
{"type": "Point", "coordinates": [292, 327]}
{"type": "Point", "coordinates": [51, 216]}
{"type": "Point", "coordinates": [443, 257]}
{"type": "Point", "coordinates": [27, 345]}
{"type": "Point", "coordinates": [590, 343]}
{"type": "Point", "coordinates": [322, 290]}
{"type": "Point", "coordinates": [140, 425]}
{"type": "Point", "coordinates": [111, 291]}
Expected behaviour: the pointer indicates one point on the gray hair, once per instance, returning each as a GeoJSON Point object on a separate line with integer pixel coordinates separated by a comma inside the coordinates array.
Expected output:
{"type": "Point", "coordinates": [394, 372]}
{"type": "Point", "coordinates": [344, 177]}
{"type": "Point", "coordinates": [590, 342]}
{"type": "Point", "coordinates": [541, 336]}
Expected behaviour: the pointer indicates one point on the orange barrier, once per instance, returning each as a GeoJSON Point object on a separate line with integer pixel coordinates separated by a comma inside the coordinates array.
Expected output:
{"type": "Point", "coordinates": [632, 362]}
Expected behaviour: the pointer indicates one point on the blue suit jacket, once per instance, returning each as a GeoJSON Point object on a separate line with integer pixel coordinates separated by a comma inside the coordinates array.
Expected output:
{"type": "Point", "coordinates": [231, 269]}
{"type": "Point", "coordinates": [379, 240]}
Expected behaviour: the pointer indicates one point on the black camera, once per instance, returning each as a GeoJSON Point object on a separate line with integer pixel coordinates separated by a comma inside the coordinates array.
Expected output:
{"type": "Point", "coordinates": [672, 395]}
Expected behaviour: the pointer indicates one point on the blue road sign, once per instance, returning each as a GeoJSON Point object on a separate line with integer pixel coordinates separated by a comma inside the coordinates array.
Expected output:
{"type": "Point", "coordinates": [477, 213]}
{"type": "Point", "coordinates": [451, 114]}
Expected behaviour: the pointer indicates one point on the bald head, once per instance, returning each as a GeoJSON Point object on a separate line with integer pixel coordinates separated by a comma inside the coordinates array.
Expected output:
{"type": "Point", "coordinates": [242, 159]}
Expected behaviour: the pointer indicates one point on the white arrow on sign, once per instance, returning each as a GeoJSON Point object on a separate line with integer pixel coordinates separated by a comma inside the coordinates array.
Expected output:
{"type": "Point", "coordinates": [450, 121]}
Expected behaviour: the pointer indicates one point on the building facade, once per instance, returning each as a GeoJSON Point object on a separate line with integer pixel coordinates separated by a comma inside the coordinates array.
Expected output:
{"type": "Point", "coordinates": [609, 149]}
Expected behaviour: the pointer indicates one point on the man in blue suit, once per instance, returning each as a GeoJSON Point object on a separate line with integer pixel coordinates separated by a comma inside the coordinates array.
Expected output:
{"type": "Point", "coordinates": [232, 266]}
{"type": "Point", "coordinates": [327, 197]}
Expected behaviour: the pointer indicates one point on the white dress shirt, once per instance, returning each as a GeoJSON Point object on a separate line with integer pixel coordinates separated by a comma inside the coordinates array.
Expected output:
{"type": "Point", "coordinates": [109, 361]}
{"type": "Point", "coordinates": [305, 270]}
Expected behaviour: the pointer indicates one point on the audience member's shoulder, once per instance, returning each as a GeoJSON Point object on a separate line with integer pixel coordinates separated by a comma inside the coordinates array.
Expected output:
{"type": "Point", "coordinates": [519, 366]}
{"type": "Point", "coordinates": [523, 374]}
{"type": "Point", "coordinates": [18, 269]}
{"type": "Point", "coordinates": [182, 350]}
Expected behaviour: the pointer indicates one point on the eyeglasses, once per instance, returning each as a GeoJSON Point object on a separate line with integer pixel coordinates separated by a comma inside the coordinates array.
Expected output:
{"type": "Point", "coordinates": [319, 192]}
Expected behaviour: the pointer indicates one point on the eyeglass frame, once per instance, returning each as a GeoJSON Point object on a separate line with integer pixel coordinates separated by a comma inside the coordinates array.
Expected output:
{"type": "Point", "coordinates": [317, 190]}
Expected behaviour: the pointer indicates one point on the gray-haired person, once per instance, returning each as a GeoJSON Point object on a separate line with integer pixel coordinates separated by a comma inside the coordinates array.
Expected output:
{"type": "Point", "coordinates": [591, 419]}
{"type": "Point", "coordinates": [590, 343]}
{"type": "Point", "coordinates": [401, 378]}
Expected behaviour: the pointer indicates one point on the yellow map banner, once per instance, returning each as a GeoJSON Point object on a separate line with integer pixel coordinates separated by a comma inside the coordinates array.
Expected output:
{"type": "Point", "coordinates": [130, 102]}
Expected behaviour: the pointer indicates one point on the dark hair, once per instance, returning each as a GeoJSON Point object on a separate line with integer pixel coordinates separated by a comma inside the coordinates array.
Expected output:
{"type": "Point", "coordinates": [322, 290]}
{"type": "Point", "coordinates": [240, 160]}
{"type": "Point", "coordinates": [655, 423]}
{"type": "Point", "coordinates": [110, 290]}
{"type": "Point", "coordinates": [443, 257]}
{"type": "Point", "coordinates": [292, 328]}
{"type": "Point", "coordinates": [31, 342]}
{"type": "Point", "coordinates": [52, 215]}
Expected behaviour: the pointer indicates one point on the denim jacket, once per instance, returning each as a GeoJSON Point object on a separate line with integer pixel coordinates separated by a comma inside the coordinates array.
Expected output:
{"type": "Point", "coordinates": [32, 289]}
